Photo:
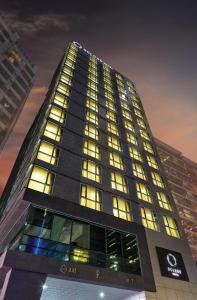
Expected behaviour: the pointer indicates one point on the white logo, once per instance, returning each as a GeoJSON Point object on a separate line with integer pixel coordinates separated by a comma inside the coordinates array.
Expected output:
{"type": "Point", "coordinates": [171, 260]}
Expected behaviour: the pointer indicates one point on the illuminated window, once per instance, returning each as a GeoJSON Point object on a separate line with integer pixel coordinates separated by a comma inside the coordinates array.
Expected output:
{"type": "Point", "coordinates": [118, 182]}
{"type": "Point", "coordinates": [136, 104]}
{"type": "Point", "coordinates": [125, 105]}
{"type": "Point", "coordinates": [138, 171]}
{"type": "Point", "coordinates": [141, 123]}
{"type": "Point", "coordinates": [92, 85]}
{"type": "Point", "coordinates": [135, 98]}
{"type": "Point", "coordinates": [149, 219]}
{"type": "Point", "coordinates": [47, 152]}
{"type": "Point", "coordinates": [93, 78]}
{"type": "Point", "coordinates": [53, 131]}
{"type": "Point", "coordinates": [70, 63]}
{"type": "Point", "coordinates": [144, 135]}
{"type": "Point", "coordinates": [110, 105]}
{"type": "Point", "coordinates": [120, 83]}
{"type": "Point", "coordinates": [121, 208]}
{"type": "Point", "coordinates": [114, 143]}
{"type": "Point", "coordinates": [152, 162]}
{"type": "Point", "coordinates": [80, 255]}
{"type": "Point", "coordinates": [109, 96]}
{"type": "Point", "coordinates": [92, 117]}
{"type": "Point", "coordinates": [131, 138]}
{"type": "Point", "coordinates": [148, 147]}
{"type": "Point", "coordinates": [138, 113]}
{"type": "Point", "coordinates": [171, 226]}
{"type": "Point", "coordinates": [91, 131]}
{"type": "Point", "coordinates": [111, 116]}
{"type": "Point", "coordinates": [65, 78]}
{"type": "Point", "coordinates": [157, 180]}
{"type": "Point", "coordinates": [92, 71]}
{"type": "Point", "coordinates": [68, 70]}
{"type": "Point", "coordinates": [134, 153]}
{"type": "Point", "coordinates": [91, 149]}
{"type": "Point", "coordinates": [41, 180]}
{"type": "Point", "coordinates": [143, 192]}
{"type": "Point", "coordinates": [108, 87]}
{"type": "Point", "coordinates": [126, 114]}
{"type": "Point", "coordinates": [57, 114]}
{"type": "Point", "coordinates": [164, 201]}
{"type": "Point", "coordinates": [111, 127]}
{"type": "Point", "coordinates": [90, 197]}
{"type": "Point", "coordinates": [115, 160]}
{"type": "Point", "coordinates": [128, 125]}
{"type": "Point", "coordinates": [119, 77]}
{"type": "Point", "coordinates": [60, 100]}
{"type": "Point", "coordinates": [92, 94]}
{"type": "Point", "coordinates": [63, 88]}
{"type": "Point", "coordinates": [107, 80]}
{"type": "Point", "coordinates": [91, 170]}
{"type": "Point", "coordinates": [92, 104]}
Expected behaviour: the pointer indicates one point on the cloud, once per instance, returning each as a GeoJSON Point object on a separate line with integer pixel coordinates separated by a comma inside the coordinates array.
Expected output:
{"type": "Point", "coordinates": [33, 24]}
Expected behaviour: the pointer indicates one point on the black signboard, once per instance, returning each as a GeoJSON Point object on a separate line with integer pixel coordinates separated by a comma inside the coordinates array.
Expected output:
{"type": "Point", "coordinates": [171, 264]}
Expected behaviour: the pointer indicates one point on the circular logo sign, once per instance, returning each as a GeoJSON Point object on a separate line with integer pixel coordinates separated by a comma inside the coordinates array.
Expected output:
{"type": "Point", "coordinates": [171, 260]}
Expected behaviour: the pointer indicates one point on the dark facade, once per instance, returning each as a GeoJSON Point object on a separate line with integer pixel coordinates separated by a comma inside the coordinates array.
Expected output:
{"type": "Point", "coordinates": [181, 173]}
{"type": "Point", "coordinates": [88, 193]}
{"type": "Point", "coordinates": [16, 78]}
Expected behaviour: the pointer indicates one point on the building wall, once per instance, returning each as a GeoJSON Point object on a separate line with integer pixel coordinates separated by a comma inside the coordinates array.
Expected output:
{"type": "Point", "coordinates": [182, 177]}
{"type": "Point", "coordinates": [16, 78]}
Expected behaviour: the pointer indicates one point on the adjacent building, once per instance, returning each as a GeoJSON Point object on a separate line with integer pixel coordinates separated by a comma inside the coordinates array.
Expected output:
{"type": "Point", "coordinates": [181, 173]}
{"type": "Point", "coordinates": [87, 212]}
{"type": "Point", "coordinates": [16, 77]}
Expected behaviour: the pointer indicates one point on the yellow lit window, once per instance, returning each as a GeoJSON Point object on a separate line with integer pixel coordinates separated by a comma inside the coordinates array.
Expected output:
{"type": "Point", "coordinates": [111, 127]}
{"type": "Point", "coordinates": [60, 100]}
{"type": "Point", "coordinates": [118, 182]}
{"type": "Point", "coordinates": [108, 87]}
{"type": "Point", "coordinates": [114, 143]}
{"type": "Point", "coordinates": [121, 89]}
{"type": "Point", "coordinates": [71, 59]}
{"type": "Point", "coordinates": [91, 131]}
{"type": "Point", "coordinates": [136, 104]}
{"type": "Point", "coordinates": [164, 201]}
{"type": "Point", "coordinates": [91, 149]}
{"type": "Point", "coordinates": [53, 131]}
{"type": "Point", "coordinates": [90, 197]}
{"type": "Point", "coordinates": [92, 71]}
{"type": "Point", "coordinates": [121, 208]}
{"type": "Point", "coordinates": [111, 116]}
{"type": "Point", "coordinates": [171, 226]}
{"type": "Point", "coordinates": [128, 125]}
{"type": "Point", "coordinates": [157, 180]}
{"type": "Point", "coordinates": [92, 67]}
{"type": "Point", "coordinates": [65, 78]}
{"type": "Point", "coordinates": [138, 113]}
{"type": "Point", "coordinates": [93, 78]}
{"type": "Point", "coordinates": [109, 96]}
{"type": "Point", "coordinates": [119, 83]}
{"type": "Point", "coordinates": [143, 192]}
{"type": "Point", "coordinates": [91, 170]}
{"type": "Point", "coordinates": [148, 147]}
{"type": "Point", "coordinates": [63, 88]}
{"type": "Point", "coordinates": [80, 255]}
{"type": "Point", "coordinates": [92, 94]}
{"type": "Point", "coordinates": [126, 114]}
{"type": "Point", "coordinates": [125, 105]}
{"type": "Point", "coordinates": [70, 63]}
{"type": "Point", "coordinates": [138, 171]}
{"type": "Point", "coordinates": [92, 117]}
{"type": "Point", "coordinates": [134, 98]}
{"type": "Point", "coordinates": [107, 80]}
{"type": "Point", "coordinates": [115, 160]}
{"type": "Point", "coordinates": [144, 135]}
{"type": "Point", "coordinates": [110, 105]}
{"type": "Point", "coordinates": [134, 153]}
{"type": "Point", "coordinates": [47, 152]}
{"type": "Point", "coordinates": [152, 162]}
{"type": "Point", "coordinates": [119, 77]}
{"type": "Point", "coordinates": [93, 105]}
{"type": "Point", "coordinates": [141, 123]}
{"type": "Point", "coordinates": [92, 85]}
{"type": "Point", "coordinates": [72, 56]}
{"type": "Point", "coordinates": [41, 180]}
{"type": "Point", "coordinates": [57, 114]}
{"type": "Point", "coordinates": [131, 138]}
{"type": "Point", "coordinates": [67, 70]}
{"type": "Point", "coordinates": [149, 219]}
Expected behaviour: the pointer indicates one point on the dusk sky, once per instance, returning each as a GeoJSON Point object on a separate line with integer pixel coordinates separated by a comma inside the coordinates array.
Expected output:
{"type": "Point", "coordinates": [154, 43]}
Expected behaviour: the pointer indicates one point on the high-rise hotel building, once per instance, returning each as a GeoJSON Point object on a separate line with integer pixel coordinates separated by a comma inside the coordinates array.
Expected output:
{"type": "Point", "coordinates": [16, 78]}
{"type": "Point", "coordinates": [87, 212]}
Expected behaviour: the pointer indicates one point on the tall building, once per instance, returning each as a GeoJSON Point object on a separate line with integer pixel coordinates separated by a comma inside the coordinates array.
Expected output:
{"type": "Point", "coordinates": [16, 77]}
{"type": "Point", "coordinates": [87, 212]}
{"type": "Point", "coordinates": [181, 173]}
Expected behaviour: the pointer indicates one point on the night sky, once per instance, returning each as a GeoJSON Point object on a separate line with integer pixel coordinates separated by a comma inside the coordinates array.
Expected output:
{"type": "Point", "coordinates": [153, 42]}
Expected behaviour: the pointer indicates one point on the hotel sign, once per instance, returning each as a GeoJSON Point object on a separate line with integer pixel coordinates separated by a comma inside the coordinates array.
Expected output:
{"type": "Point", "coordinates": [171, 264]}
